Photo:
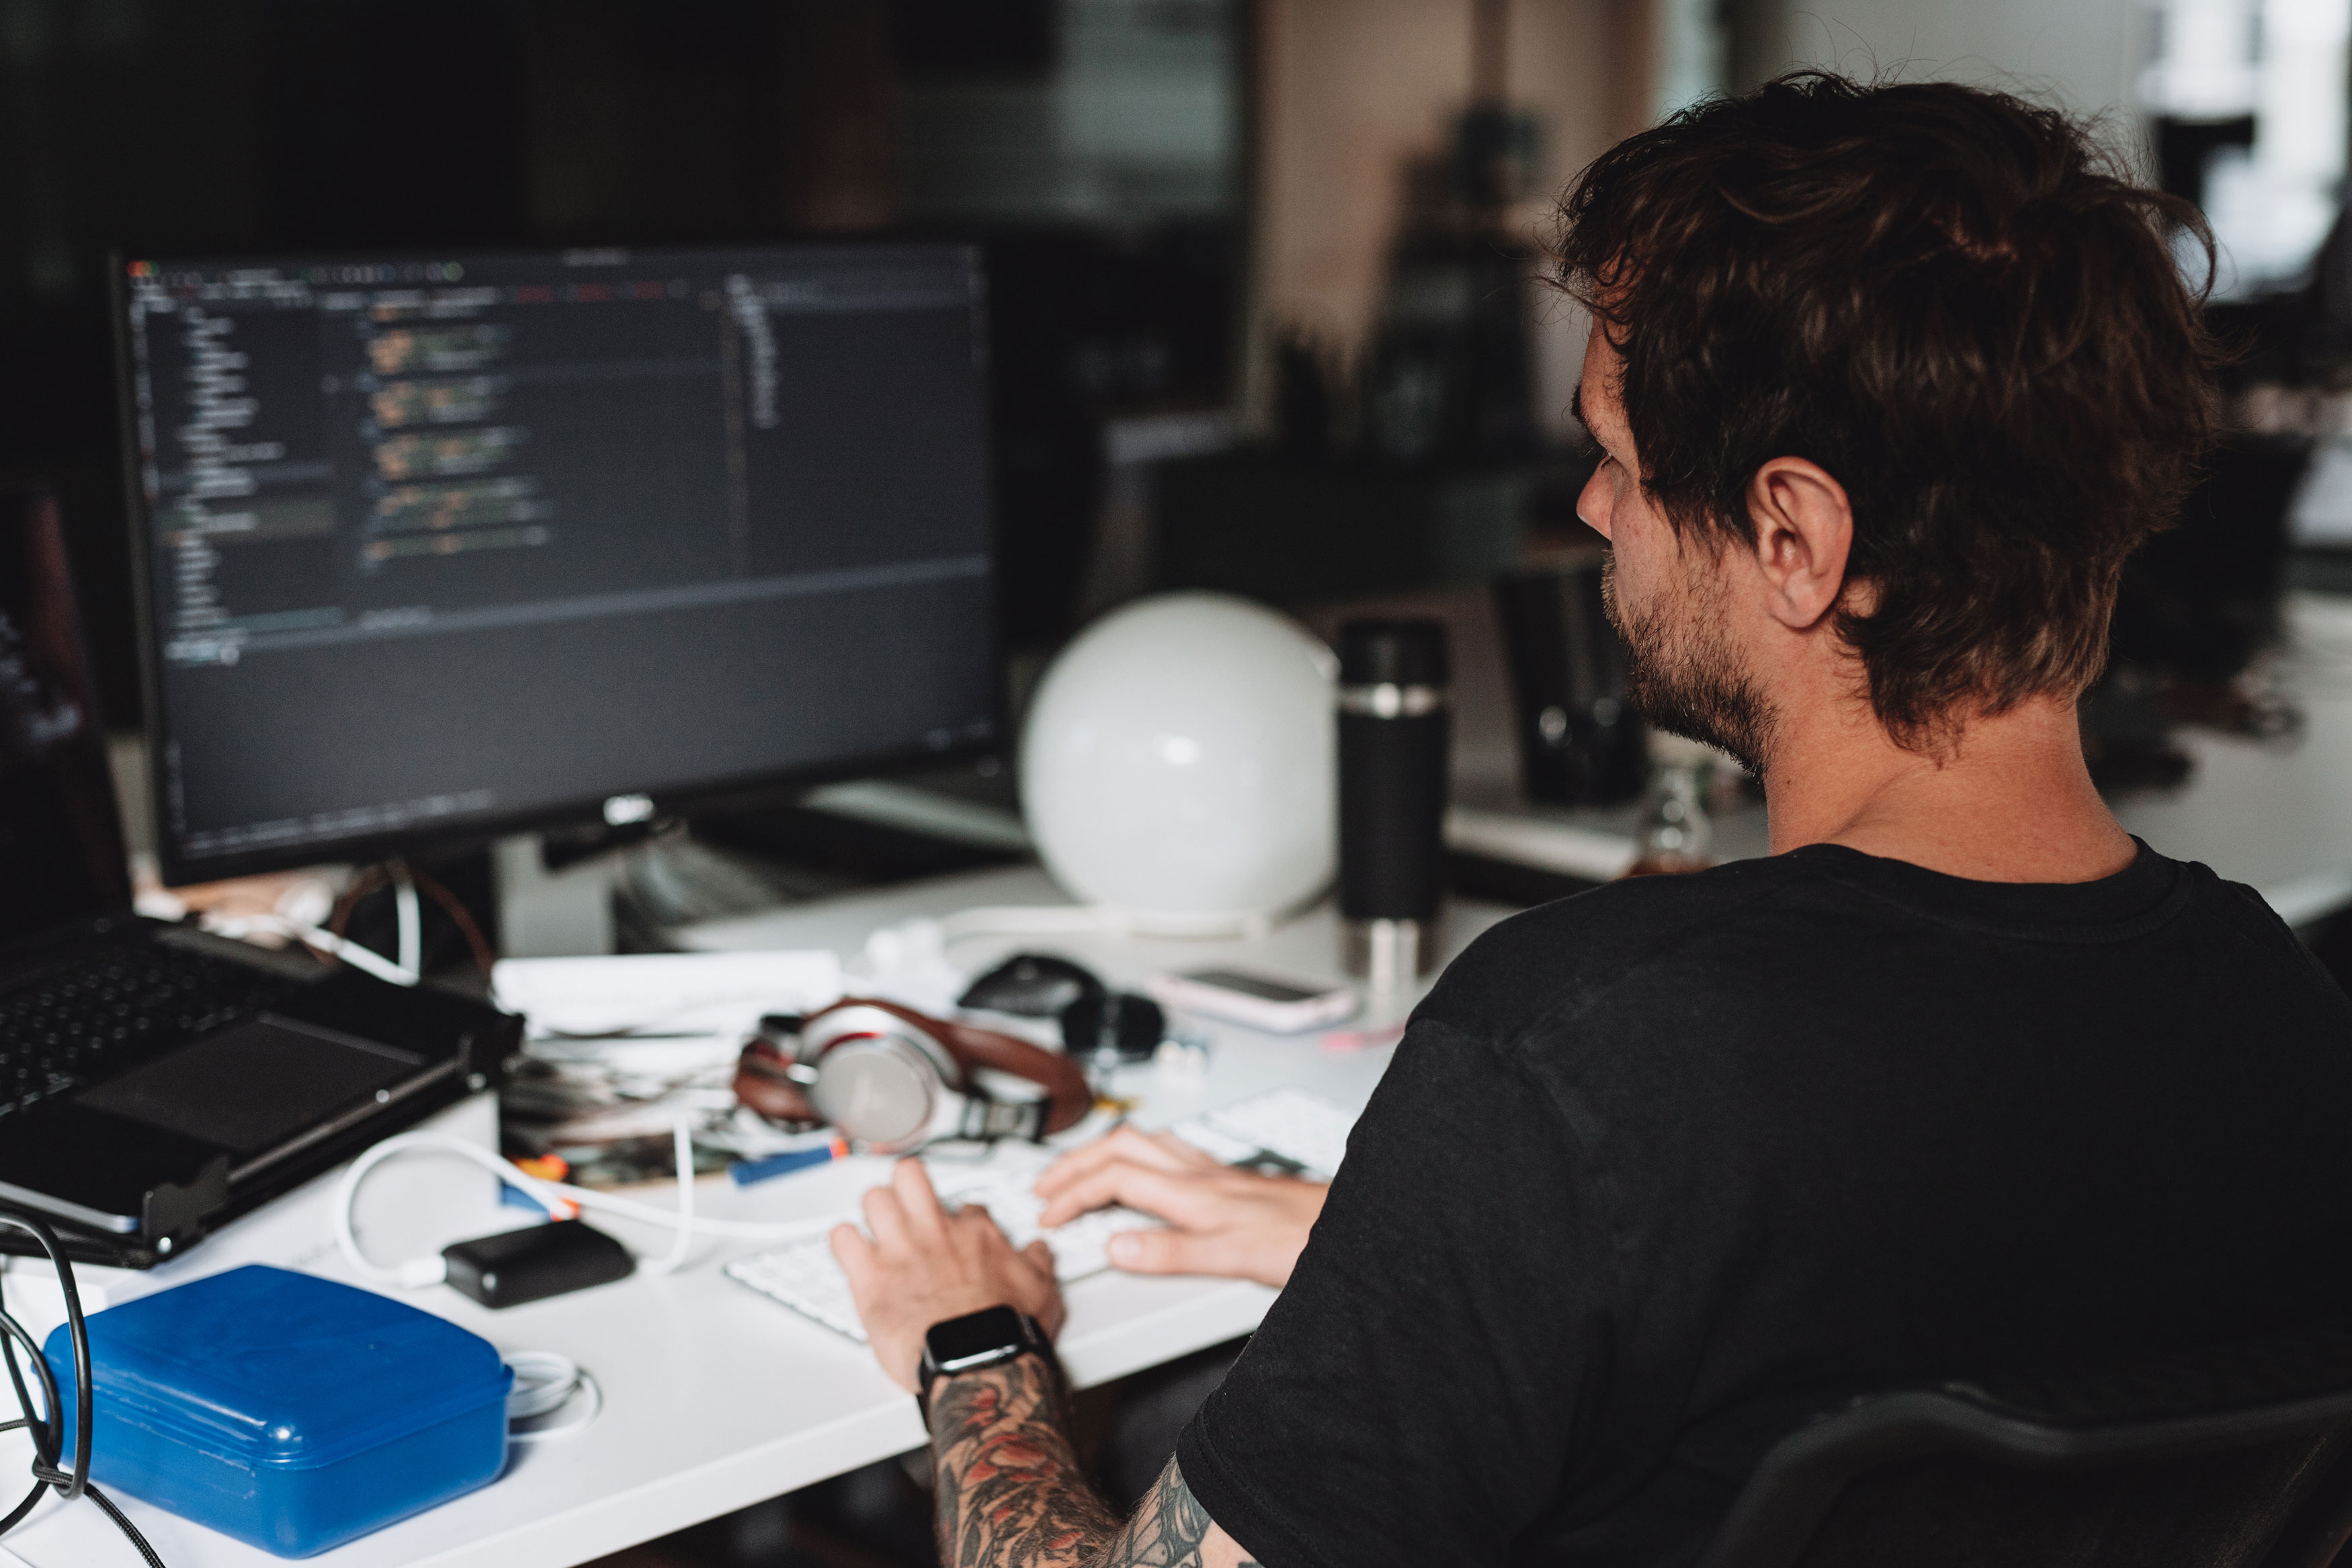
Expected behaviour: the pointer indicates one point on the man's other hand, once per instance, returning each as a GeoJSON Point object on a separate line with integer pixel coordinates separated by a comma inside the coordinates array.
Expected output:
{"type": "Point", "coordinates": [925, 1266]}
{"type": "Point", "coordinates": [1220, 1221]}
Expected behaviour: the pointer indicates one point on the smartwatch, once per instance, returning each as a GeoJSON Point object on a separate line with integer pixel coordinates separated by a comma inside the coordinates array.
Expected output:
{"type": "Point", "coordinates": [985, 1338]}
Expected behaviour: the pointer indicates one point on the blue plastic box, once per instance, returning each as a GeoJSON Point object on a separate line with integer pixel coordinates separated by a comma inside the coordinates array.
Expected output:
{"type": "Point", "coordinates": [290, 1411]}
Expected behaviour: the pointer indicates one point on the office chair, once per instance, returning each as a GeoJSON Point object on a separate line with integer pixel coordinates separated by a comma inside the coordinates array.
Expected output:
{"type": "Point", "coordinates": [2236, 1456]}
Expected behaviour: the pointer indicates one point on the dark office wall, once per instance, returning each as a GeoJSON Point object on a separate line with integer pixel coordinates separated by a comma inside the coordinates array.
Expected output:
{"type": "Point", "coordinates": [382, 124]}
{"type": "Point", "coordinates": [117, 119]}
{"type": "Point", "coordinates": [185, 126]}
{"type": "Point", "coordinates": [228, 125]}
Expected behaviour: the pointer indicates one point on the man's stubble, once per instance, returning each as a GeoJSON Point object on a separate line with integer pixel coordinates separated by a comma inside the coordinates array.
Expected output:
{"type": "Point", "coordinates": [1682, 673]}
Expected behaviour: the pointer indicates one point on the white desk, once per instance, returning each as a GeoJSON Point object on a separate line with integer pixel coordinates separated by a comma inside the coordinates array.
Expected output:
{"type": "Point", "coordinates": [717, 1397]}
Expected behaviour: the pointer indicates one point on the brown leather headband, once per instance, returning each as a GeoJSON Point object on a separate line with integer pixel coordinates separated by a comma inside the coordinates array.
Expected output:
{"type": "Point", "coordinates": [760, 1081]}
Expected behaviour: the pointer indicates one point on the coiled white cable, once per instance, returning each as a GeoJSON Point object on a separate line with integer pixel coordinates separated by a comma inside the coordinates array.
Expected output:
{"type": "Point", "coordinates": [559, 1199]}
{"type": "Point", "coordinates": [545, 1383]}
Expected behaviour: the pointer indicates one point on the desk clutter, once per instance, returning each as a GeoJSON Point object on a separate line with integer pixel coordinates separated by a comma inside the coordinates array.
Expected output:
{"type": "Point", "coordinates": [849, 1074]}
{"type": "Point", "coordinates": [616, 1051]}
{"type": "Point", "coordinates": [890, 1080]}
{"type": "Point", "coordinates": [762, 1055]}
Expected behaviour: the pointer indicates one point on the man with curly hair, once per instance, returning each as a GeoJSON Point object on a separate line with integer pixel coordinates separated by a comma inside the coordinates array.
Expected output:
{"type": "Point", "coordinates": [1962, 1079]}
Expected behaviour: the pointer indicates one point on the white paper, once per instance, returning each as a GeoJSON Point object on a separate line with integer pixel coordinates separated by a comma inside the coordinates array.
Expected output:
{"type": "Point", "coordinates": [710, 994]}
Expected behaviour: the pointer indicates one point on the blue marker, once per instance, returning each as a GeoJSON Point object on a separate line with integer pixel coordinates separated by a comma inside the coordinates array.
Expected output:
{"type": "Point", "coordinates": [746, 1172]}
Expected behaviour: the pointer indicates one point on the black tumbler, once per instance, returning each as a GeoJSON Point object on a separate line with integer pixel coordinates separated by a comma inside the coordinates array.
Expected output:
{"type": "Point", "coordinates": [1394, 728]}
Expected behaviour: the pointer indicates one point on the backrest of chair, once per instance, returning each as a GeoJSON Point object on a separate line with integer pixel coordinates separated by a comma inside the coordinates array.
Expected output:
{"type": "Point", "coordinates": [2236, 1456]}
{"type": "Point", "coordinates": [2218, 1509]}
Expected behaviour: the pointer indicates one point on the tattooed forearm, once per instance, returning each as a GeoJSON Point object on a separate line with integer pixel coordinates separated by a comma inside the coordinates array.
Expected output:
{"type": "Point", "coordinates": [1010, 1492]}
{"type": "Point", "coordinates": [1167, 1530]}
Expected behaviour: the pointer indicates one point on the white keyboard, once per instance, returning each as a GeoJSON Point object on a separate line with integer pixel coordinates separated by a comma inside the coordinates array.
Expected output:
{"type": "Point", "coordinates": [804, 1276]}
{"type": "Point", "coordinates": [1306, 1129]}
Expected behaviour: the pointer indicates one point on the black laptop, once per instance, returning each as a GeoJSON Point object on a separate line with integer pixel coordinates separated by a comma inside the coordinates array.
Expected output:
{"type": "Point", "coordinates": [154, 1080]}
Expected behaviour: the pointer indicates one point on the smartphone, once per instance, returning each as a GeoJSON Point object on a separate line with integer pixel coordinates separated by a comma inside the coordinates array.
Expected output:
{"type": "Point", "coordinates": [1274, 1003]}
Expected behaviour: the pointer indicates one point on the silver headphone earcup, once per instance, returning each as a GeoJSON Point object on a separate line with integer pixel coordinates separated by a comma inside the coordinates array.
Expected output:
{"type": "Point", "coordinates": [878, 1092]}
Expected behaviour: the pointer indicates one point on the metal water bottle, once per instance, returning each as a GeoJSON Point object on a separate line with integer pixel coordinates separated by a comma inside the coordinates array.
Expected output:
{"type": "Point", "coordinates": [1394, 730]}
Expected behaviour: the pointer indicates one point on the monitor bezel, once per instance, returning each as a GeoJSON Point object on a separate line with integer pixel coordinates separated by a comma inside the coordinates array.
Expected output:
{"type": "Point", "coordinates": [476, 833]}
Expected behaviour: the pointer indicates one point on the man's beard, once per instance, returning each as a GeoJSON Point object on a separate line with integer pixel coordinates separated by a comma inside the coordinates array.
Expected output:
{"type": "Point", "coordinates": [1687, 680]}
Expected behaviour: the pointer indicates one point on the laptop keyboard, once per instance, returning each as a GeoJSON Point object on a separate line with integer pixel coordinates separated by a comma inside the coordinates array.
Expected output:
{"type": "Point", "coordinates": [100, 1011]}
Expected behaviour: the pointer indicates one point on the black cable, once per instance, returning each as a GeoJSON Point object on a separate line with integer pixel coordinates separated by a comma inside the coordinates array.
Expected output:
{"type": "Point", "coordinates": [127, 1528]}
{"type": "Point", "coordinates": [78, 1332]}
{"type": "Point", "coordinates": [45, 1450]}
{"type": "Point", "coordinates": [12, 1334]}
{"type": "Point", "coordinates": [16, 1378]}
{"type": "Point", "coordinates": [47, 1428]}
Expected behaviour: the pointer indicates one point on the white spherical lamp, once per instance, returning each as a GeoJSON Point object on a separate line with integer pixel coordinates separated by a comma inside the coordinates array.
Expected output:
{"type": "Point", "coordinates": [1178, 765]}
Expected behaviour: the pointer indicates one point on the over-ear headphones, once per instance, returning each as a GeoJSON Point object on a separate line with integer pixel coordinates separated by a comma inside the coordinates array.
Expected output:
{"type": "Point", "coordinates": [891, 1079]}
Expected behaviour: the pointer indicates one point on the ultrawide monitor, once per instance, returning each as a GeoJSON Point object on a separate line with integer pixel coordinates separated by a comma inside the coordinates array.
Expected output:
{"type": "Point", "coordinates": [440, 547]}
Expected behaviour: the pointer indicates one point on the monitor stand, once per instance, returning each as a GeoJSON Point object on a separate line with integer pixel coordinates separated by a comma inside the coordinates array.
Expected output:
{"type": "Point", "coordinates": [546, 913]}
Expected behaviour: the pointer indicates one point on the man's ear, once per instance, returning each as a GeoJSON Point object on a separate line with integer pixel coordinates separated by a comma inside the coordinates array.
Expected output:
{"type": "Point", "coordinates": [1804, 531]}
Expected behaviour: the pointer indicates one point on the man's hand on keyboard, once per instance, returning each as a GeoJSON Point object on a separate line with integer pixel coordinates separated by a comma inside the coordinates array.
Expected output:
{"type": "Point", "coordinates": [1220, 1221]}
{"type": "Point", "coordinates": [925, 1266]}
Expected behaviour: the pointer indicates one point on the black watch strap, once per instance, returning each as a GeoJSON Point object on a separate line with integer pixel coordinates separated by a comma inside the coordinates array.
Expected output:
{"type": "Point", "coordinates": [989, 1337]}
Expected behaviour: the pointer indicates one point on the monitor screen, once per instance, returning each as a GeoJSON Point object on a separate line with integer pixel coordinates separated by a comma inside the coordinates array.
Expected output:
{"type": "Point", "coordinates": [438, 547]}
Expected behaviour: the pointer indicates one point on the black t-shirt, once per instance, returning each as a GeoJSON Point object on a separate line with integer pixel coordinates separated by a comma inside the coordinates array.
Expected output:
{"type": "Point", "coordinates": [1663, 1169]}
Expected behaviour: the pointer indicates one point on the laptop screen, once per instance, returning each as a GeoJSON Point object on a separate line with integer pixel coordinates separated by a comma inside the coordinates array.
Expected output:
{"type": "Point", "coordinates": [61, 843]}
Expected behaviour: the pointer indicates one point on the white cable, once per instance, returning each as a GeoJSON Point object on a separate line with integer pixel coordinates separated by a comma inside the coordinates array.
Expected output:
{"type": "Point", "coordinates": [545, 1383]}
{"type": "Point", "coordinates": [682, 1143]}
{"type": "Point", "coordinates": [412, 921]}
{"type": "Point", "coordinates": [323, 940]}
{"type": "Point", "coordinates": [557, 1198]}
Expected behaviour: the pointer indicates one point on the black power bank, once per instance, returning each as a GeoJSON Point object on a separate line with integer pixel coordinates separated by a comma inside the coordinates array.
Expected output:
{"type": "Point", "coordinates": [535, 1263]}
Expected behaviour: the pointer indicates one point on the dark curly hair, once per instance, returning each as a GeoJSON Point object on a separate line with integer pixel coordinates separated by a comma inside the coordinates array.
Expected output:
{"type": "Point", "coordinates": [1953, 302]}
